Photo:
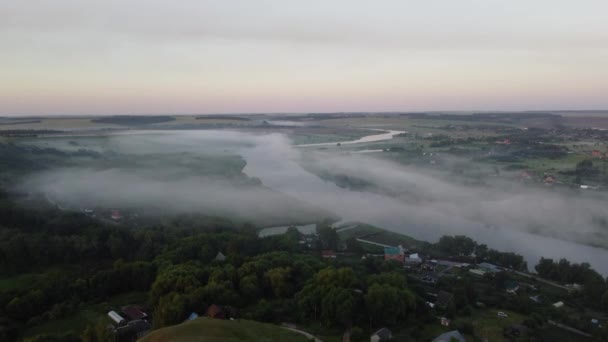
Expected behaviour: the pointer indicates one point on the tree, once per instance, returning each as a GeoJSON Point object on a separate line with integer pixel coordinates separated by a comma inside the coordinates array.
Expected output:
{"type": "Point", "coordinates": [280, 282]}
{"type": "Point", "coordinates": [605, 300]}
{"type": "Point", "coordinates": [330, 295]}
{"type": "Point", "coordinates": [171, 309]}
{"type": "Point", "coordinates": [97, 332]}
{"type": "Point", "coordinates": [328, 237]}
{"type": "Point", "coordinates": [387, 304]}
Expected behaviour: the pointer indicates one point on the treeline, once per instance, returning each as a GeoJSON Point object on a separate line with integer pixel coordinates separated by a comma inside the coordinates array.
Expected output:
{"type": "Point", "coordinates": [460, 245]}
{"type": "Point", "coordinates": [592, 284]}
{"type": "Point", "coordinates": [267, 279]}
{"type": "Point", "coordinates": [133, 119]}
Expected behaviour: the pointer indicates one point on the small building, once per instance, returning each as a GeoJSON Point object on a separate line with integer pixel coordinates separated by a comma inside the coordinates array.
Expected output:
{"type": "Point", "coordinates": [558, 304]}
{"type": "Point", "coordinates": [192, 316]}
{"type": "Point", "coordinates": [413, 259]}
{"type": "Point", "coordinates": [445, 321]}
{"type": "Point", "coordinates": [134, 313]}
{"type": "Point", "coordinates": [394, 253]}
{"type": "Point", "coordinates": [574, 287]}
{"type": "Point", "coordinates": [116, 215]}
{"type": "Point", "coordinates": [215, 311]}
{"type": "Point", "coordinates": [477, 271]}
{"type": "Point", "coordinates": [511, 286]}
{"type": "Point", "coordinates": [220, 257]}
{"type": "Point", "coordinates": [450, 336]}
{"type": "Point", "coordinates": [381, 335]}
{"type": "Point", "coordinates": [549, 179]}
{"type": "Point", "coordinates": [116, 318]}
{"type": "Point", "coordinates": [444, 299]}
{"type": "Point", "coordinates": [596, 154]}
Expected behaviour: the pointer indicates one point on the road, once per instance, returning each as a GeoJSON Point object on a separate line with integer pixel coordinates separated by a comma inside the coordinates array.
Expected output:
{"type": "Point", "coordinates": [302, 332]}
{"type": "Point", "coordinates": [548, 282]}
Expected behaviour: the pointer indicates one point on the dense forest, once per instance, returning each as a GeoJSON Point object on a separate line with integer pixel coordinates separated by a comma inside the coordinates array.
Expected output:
{"type": "Point", "coordinates": [263, 279]}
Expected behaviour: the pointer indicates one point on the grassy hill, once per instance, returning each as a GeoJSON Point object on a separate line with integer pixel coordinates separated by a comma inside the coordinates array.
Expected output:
{"type": "Point", "coordinates": [211, 330]}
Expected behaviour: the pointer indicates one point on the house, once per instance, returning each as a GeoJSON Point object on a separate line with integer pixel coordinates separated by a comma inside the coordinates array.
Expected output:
{"type": "Point", "coordinates": [487, 267]}
{"type": "Point", "coordinates": [450, 336]}
{"type": "Point", "coordinates": [116, 215]}
{"type": "Point", "coordinates": [381, 335]}
{"type": "Point", "coordinates": [549, 179]}
{"type": "Point", "coordinates": [477, 271]}
{"type": "Point", "coordinates": [445, 321]}
{"type": "Point", "coordinates": [444, 299]}
{"type": "Point", "coordinates": [596, 154]}
{"type": "Point", "coordinates": [134, 313]}
{"type": "Point", "coordinates": [215, 311]}
{"type": "Point", "coordinates": [413, 259]}
{"type": "Point", "coordinates": [328, 254]}
{"type": "Point", "coordinates": [394, 253]}
{"type": "Point", "coordinates": [220, 257]}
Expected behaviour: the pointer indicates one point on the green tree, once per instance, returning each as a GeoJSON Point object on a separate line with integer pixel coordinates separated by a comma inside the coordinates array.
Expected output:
{"type": "Point", "coordinates": [171, 309]}
{"type": "Point", "coordinates": [328, 237]}
{"type": "Point", "coordinates": [280, 281]}
{"type": "Point", "coordinates": [387, 304]}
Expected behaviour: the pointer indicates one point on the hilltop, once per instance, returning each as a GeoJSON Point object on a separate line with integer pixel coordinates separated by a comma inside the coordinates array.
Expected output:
{"type": "Point", "coordinates": [207, 329]}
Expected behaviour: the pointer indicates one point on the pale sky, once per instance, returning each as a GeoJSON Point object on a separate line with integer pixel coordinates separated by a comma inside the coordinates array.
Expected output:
{"type": "Point", "coordinates": [231, 56]}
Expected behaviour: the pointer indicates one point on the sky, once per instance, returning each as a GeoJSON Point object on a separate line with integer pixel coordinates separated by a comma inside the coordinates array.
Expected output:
{"type": "Point", "coordinates": [199, 56]}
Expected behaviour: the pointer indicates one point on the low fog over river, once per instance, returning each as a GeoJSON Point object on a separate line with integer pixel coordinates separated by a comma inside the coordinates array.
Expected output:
{"type": "Point", "coordinates": [276, 163]}
{"type": "Point", "coordinates": [422, 204]}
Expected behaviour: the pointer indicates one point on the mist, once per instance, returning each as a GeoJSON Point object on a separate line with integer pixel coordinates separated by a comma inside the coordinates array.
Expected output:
{"type": "Point", "coordinates": [280, 185]}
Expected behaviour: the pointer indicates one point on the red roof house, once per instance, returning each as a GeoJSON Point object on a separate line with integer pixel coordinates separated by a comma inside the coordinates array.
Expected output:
{"type": "Point", "coordinates": [215, 311]}
{"type": "Point", "coordinates": [116, 215]}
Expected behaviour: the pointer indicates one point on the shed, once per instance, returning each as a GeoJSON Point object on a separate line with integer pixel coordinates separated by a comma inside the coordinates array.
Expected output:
{"type": "Point", "coordinates": [220, 257]}
{"type": "Point", "coordinates": [381, 335]}
{"type": "Point", "coordinates": [133, 313]}
{"type": "Point", "coordinates": [116, 318]}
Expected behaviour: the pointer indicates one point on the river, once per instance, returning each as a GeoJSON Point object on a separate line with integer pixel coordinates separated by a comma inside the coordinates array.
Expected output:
{"type": "Point", "coordinates": [276, 165]}
{"type": "Point", "coordinates": [386, 135]}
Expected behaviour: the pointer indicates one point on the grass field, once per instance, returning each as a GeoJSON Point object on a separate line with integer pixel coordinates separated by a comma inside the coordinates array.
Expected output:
{"type": "Point", "coordinates": [211, 330]}
{"type": "Point", "coordinates": [20, 281]}
{"type": "Point", "coordinates": [375, 234]}
{"type": "Point", "coordinates": [89, 314]}
{"type": "Point", "coordinates": [488, 325]}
